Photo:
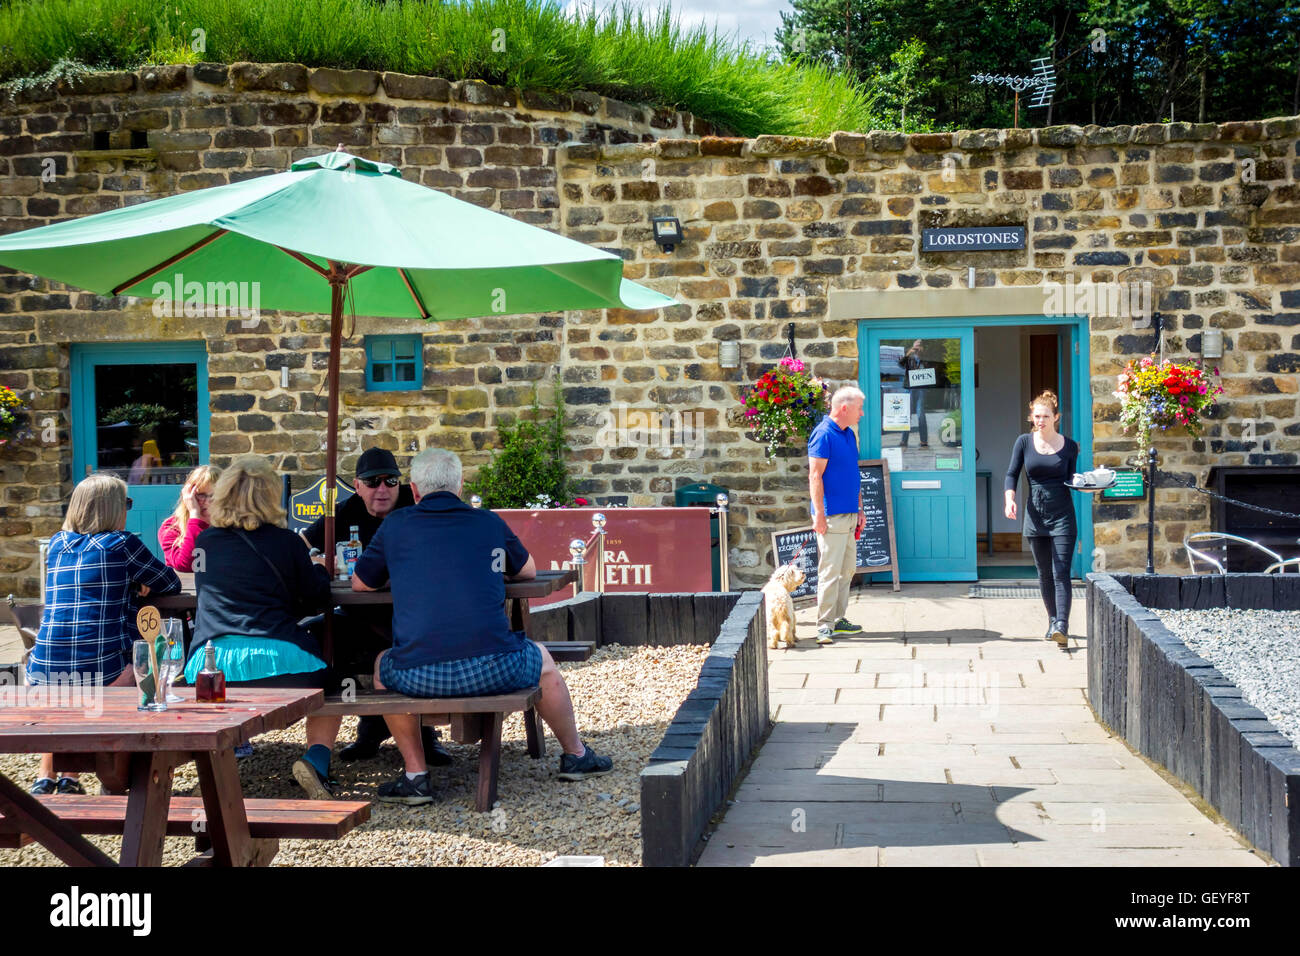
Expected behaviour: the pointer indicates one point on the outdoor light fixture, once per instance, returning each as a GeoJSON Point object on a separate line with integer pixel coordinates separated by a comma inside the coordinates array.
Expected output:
{"type": "Point", "coordinates": [1212, 344]}
{"type": "Point", "coordinates": [729, 354]}
{"type": "Point", "coordinates": [668, 232]}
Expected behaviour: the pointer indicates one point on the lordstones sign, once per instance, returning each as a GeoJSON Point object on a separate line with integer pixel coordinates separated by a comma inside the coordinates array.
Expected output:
{"type": "Point", "coordinates": [972, 239]}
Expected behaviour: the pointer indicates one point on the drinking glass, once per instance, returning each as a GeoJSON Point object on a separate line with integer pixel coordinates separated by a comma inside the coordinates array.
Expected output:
{"type": "Point", "coordinates": [145, 679]}
{"type": "Point", "coordinates": [172, 664]}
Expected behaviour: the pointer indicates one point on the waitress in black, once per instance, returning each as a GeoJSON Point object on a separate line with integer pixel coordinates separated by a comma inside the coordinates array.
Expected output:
{"type": "Point", "coordinates": [1050, 460]}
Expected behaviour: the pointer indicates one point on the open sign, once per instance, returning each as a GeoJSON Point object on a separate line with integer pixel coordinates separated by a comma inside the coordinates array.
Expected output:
{"type": "Point", "coordinates": [918, 377]}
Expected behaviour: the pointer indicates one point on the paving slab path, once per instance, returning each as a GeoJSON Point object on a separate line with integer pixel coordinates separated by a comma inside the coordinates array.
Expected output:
{"type": "Point", "coordinates": [950, 733]}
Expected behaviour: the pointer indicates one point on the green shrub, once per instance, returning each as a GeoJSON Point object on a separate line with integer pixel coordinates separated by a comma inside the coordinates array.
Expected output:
{"type": "Point", "coordinates": [530, 463]}
{"type": "Point", "coordinates": [619, 51]}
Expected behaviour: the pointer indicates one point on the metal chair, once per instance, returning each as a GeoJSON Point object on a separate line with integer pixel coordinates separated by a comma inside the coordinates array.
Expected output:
{"type": "Point", "coordinates": [27, 619]}
{"type": "Point", "coordinates": [1281, 567]}
{"type": "Point", "coordinates": [1223, 538]}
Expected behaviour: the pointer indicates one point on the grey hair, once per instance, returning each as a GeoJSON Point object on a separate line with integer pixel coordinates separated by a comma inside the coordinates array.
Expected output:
{"type": "Point", "coordinates": [845, 394]}
{"type": "Point", "coordinates": [436, 469]}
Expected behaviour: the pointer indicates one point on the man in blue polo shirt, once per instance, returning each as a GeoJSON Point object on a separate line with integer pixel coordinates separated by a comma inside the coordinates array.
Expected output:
{"type": "Point", "coordinates": [448, 564]}
{"type": "Point", "coordinates": [836, 492]}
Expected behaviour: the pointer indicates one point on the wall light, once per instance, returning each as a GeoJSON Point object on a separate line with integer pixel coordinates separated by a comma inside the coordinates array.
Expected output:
{"type": "Point", "coordinates": [729, 354]}
{"type": "Point", "coordinates": [668, 232]}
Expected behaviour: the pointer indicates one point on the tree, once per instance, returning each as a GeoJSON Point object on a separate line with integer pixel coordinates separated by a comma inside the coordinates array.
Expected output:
{"type": "Point", "coordinates": [1193, 60]}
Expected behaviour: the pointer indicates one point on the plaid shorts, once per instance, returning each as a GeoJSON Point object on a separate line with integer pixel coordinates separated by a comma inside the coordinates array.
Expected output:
{"type": "Point", "coordinates": [467, 677]}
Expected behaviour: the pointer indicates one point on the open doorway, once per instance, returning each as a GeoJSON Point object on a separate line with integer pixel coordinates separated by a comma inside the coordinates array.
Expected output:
{"type": "Point", "coordinates": [1013, 364]}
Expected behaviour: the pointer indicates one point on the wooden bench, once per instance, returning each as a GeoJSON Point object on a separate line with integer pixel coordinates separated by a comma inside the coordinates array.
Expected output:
{"type": "Point", "coordinates": [269, 821]}
{"type": "Point", "coordinates": [569, 650]}
{"type": "Point", "coordinates": [472, 719]}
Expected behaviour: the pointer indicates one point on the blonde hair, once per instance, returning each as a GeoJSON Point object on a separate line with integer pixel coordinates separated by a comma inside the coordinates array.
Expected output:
{"type": "Point", "coordinates": [246, 495]}
{"type": "Point", "coordinates": [204, 476]}
{"type": "Point", "coordinates": [1047, 398]}
{"type": "Point", "coordinates": [98, 504]}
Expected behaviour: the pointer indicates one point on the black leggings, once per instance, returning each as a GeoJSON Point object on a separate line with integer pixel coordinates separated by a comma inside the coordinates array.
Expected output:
{"type": "Point", "coordinates": [1052, 556]}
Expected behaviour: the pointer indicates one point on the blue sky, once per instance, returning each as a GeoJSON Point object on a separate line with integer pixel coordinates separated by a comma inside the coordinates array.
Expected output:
{"type": "Point", "coordinates": [752, 20]}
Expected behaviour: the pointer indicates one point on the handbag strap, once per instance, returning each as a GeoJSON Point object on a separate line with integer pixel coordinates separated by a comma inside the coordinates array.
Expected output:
{"type": "Point", "coordinates": [243, 536]}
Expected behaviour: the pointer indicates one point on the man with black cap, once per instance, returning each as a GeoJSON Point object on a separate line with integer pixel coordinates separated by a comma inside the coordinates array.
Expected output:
{"type": "Point", "coordinates": [363, 632]}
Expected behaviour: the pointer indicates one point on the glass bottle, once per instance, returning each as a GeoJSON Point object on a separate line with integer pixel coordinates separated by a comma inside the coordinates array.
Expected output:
{"type": "Point", "coordinates": [210, 687]}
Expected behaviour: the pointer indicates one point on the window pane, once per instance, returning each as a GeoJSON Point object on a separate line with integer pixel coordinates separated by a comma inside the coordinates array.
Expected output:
{"type": "Point", "coordinates": [405, 372]}
{"type": "Point", "coordinates": [381, 373]}
{"type": "Point", "coordinates": [146, 419]}
{"type": "Point", "coordinates": [920, 393]}
{"type": "Point", "coordinates": [381, 349]}
{"type": "Point", "coordinates": [404, 348]}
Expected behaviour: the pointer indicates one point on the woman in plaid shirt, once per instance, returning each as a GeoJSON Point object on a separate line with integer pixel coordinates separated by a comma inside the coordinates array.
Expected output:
{"type": "Point", "coordinates": [86, 629]}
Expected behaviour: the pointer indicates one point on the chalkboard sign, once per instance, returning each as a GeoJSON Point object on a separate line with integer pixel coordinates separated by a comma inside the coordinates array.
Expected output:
{"type": "Point", "coordinates": [876, 548]}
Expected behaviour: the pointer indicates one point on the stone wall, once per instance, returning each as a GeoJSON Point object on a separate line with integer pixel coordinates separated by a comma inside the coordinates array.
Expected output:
{"type": "Point", "coordinates": [773, 225]}
{"type": "Point", "coordinates": [122, 138]}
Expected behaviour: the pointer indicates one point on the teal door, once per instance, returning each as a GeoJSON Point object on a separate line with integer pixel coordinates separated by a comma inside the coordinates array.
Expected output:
{"type": "Point", "coordinates": [919, 419]}
{"type": "Point", "coordinates": [140, 411]}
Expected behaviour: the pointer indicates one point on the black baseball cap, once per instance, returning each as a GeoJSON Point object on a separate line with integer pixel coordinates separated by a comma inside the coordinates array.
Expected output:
{"type": "Point", "coordinates": [375, 462]}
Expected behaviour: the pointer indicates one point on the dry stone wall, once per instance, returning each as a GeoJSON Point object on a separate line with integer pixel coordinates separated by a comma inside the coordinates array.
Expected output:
{"type": "Point", "coordinates": [775, 223]}
{"type": "Point", "coordinates": [772, 224]}
{"type": "Point", "coordinates": [122, 138]}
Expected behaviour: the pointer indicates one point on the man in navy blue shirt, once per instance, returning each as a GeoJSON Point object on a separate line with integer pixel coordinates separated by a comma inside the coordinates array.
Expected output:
{"type": "Point", "coordinates": [836, 492]}
{"type": "Point", "coordinates": [448, 564]}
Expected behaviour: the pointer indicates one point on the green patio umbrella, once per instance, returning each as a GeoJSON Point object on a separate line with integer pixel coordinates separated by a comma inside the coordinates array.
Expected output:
{"type": "Point", "coordinates": [334, 227]}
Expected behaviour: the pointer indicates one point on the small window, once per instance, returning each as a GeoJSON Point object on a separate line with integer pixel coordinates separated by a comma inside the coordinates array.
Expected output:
{"type": "Point", "coordinates": [393, 363]}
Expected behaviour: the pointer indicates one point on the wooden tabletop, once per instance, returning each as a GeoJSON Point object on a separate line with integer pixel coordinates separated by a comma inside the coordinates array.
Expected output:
{"type": "Point", "coordinates": [341, 592]}
{"type": "Point", "coordinates": [105, 719]}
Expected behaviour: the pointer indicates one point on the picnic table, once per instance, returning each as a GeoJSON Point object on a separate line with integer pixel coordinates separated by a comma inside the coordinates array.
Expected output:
{"type": "Point", "coordinates": [472, 719]}
{"type": "Point", "coordinates": [342, 595]}
{"type": "Point", "coordinates": [138, 751]}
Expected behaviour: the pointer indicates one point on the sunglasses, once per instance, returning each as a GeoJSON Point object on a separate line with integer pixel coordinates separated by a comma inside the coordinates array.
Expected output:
{"type": "Point", "coordinates": [202, 497]}
{"type": "Point", "coordinates": [391, 481]}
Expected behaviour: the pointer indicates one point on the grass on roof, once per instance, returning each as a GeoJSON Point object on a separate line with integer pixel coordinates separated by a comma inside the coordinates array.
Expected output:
{"type": "Point", "coordinates": [625, 53]}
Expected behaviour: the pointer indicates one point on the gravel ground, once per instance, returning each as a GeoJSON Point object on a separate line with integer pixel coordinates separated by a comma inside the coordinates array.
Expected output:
{"type": "Point", "coordinates": [1259, 651]}
{"type": "Point", "coordinates": [625, 698]}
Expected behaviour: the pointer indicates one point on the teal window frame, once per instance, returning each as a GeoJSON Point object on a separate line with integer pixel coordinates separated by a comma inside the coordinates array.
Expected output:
{"type": "Point", "coordinates": [382, 356]}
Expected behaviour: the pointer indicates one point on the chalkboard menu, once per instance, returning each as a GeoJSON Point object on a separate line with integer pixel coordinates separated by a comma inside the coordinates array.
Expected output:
{"type": "Point", "coordinates": [876, 548]}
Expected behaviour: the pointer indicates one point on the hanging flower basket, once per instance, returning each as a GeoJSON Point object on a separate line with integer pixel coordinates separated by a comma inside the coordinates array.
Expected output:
{"type": "Point", "coordinates": [1156, 397]}
{"type": "Point", "coordinates": [784, 405]}
{"type": "Point", "coordinates": [13, 418]}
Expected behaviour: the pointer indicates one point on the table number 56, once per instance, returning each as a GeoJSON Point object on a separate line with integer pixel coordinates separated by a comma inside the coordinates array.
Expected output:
{"type": "Point", "coordinates": [149, 622]}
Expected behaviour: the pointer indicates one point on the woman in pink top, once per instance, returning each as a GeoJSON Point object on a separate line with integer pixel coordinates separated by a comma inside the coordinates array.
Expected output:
{"type": "Point", "coordinates": [177, 534]}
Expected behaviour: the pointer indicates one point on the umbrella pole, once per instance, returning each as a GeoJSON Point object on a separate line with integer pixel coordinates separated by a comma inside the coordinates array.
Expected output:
{"type": "Point", "coordinates": [338, 283]}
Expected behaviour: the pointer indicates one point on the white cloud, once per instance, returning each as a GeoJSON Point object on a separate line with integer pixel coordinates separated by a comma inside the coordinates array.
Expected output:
{"type": "Point", "coordinates": [754, 21]}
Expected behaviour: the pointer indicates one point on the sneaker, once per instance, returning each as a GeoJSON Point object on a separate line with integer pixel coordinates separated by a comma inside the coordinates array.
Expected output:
{"type": "Point", "coordinates": [412, 793]}
{"type": "Point", "coordinates": [309, 778]}
{"type": "Point", "coordinates": [845, 626]}
{"type": "Point", "coordinates": [43, 787]}
{"type": "Point", "coordinates": [70, 786]}
{"type": "Point", "coordinates": [590, 764]}
{"type": "Point", "coordinates": [824, 635]}
{"type": "Point", "coordinates": [243, 750]}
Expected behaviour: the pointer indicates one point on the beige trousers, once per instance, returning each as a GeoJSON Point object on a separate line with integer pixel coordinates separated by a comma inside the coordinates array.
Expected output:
{"type": "Point", "coordinates": [836, 562]}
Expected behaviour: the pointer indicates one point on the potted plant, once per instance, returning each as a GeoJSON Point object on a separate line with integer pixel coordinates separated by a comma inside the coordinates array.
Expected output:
{"type": "Point", "coordinates": [13, 418]}
{"type": "Point", "coordinates": [784, 405]}
{"type": "Point", "coordinates": [1159, 396]}
{"type": "Point", "coordinates": [529, 471]}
